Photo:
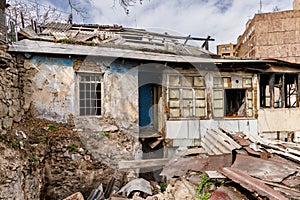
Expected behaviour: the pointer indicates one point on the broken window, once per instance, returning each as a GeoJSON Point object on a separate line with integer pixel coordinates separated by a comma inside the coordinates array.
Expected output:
{"type": "Point", "coordinates": [279, 90]}
{"type": "Point", "coordinates": [186, 95]}
{"type": "Point", "coordinates": [232, 96]}
{"type": "Point", "coordinates": [90, 86]}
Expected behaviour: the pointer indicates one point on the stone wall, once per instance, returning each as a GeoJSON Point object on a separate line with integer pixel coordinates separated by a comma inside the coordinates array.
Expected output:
{"type": "Point", "coordinates": [42, 159]}
{"type": "Point", "coordinates": [10, 102]}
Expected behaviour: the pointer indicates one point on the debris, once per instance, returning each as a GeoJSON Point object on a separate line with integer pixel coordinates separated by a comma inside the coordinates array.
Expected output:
{"type": "Point", "coordinates": [219, 195]}
{"type": "Point", "coordinates": [179, 166]}
{"type": "Point", "coordinates": [75, 196]}
{"type": "Point", "coordinates": [136, 164]}
{"type": "Point", "coordinates": [263, 169]}
{"type": "Point", "coordinates": [214, 174]}
{"type": "Point", "coordinates": [97, 193]}
{"type": "Point", "coordinates": [251, 184]}
{"type": "Point", "coordinates": [216, 142]}
{"type": "Point", "coordinates": [139, 184]}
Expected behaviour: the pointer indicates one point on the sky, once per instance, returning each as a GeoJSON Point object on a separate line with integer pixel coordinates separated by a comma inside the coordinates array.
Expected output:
{"type": "Point", "coordinates": [223, 20]}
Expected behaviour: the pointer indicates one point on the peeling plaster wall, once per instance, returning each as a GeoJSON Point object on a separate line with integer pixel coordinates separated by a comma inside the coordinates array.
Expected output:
{"type": "Point", "coordinates": [53, 87]}
{"type": "Point", "coordinates": [285, 119]}
{"type": "Point", "coordinates": [55, 94]}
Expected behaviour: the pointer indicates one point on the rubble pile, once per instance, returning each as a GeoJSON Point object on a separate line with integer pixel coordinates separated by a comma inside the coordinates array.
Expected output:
{"type": "Point", "coordinates": [41, 159]}
{"type": "Point", "coordinates": [259, 169]}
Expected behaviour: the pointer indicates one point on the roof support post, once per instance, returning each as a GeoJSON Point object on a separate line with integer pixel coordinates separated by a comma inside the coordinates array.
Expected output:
{"type": "Point", "coordinates": [271, 89]}
{"type": "Point", "coordinates": [283, 91]}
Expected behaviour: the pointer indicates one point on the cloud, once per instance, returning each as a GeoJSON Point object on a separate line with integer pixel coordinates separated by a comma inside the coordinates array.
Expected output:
{"type": "Point", "coordinates": [224, 20]}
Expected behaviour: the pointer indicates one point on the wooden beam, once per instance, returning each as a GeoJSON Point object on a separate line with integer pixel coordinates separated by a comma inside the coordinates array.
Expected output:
{"type": "Point", "coordinates": [136, 164]}
{"type": "Point", "coordinates": [271, 89]}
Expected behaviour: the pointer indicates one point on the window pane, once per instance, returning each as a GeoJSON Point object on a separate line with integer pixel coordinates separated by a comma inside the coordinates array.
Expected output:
{"type": "Point", "coordinates": [187, 112]}
{"type": "Point", "coordinates": [250, 104]}
{"type": "Point", "coordinates": [218, 82]}
{"type": "Point", "coordinates": [174, 94]}
{"type": "Point", "coordinates": [81, 95]}
{"type": "Point", "coordinates": [174, 112]}
{"type": "Point", "coordinates": [218, 94]}
{"type": "Point", "coordinates": [199, 81]}
{"type": "Point", "coordinates": [174, 103]}
{"type": "Point", "coordinates": [174, 80]}
{"type": "Point", "coordinates": [218, 112]}
{"type": "Point", "coordinates": [188, 103]}
{"type": "Point", "coordinates": [82, 111]}
{"type": "Point", "coordinates": [200, 93]}
{"type": "Point", "coordinates": [200, 112]}
{"type": "Point", "coordinates": [218, 103]}
{"type": "Point", "coordinates": [187, 93]}
{"type": "Point", "coordinates": [88, 95]}
{"type": "Point", "coordinates": [81, 86]}
{"type": "Point", "coordinates": [187, 81]}
{"type": "Point", "coordinates": [82, 103]}
{"type": "Point", "coordinates": [250, 113]}
{"type": "Point", "coordinates": [200, 103]}
{"type": "Point", "coordinates": [247, 82]}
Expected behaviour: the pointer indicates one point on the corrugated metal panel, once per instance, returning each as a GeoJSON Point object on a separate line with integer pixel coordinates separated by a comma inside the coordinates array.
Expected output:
{"type": "Point", "coordinates": [59, 35]}
{"type": "Point", "coordinates": [264, 169]}
{"type": "Point", "coordinates": [216, 142]}
{"type": "Point", "coordinates": [251, 184]}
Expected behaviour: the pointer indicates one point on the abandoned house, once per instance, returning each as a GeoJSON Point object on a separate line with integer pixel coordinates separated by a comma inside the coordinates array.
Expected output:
{"type": "Point", "coordinates": [154, 85]}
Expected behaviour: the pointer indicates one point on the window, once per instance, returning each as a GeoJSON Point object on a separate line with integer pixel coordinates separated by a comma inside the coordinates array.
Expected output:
{"type": "Point", "coordinates": [186, 96]}
{"type": "Point", "coordinates": [232, 97]}
{"type": "Point", "coordinates": [226, 48]}
{"type": "Point", "coordinates": [90, 86]}
{"type": "Point", "coordinates": [279, 90]}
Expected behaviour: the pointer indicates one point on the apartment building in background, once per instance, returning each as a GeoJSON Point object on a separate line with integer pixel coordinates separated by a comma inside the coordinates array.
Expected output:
{"type": "Point", "coordinates": [271, 35]}
{"type": "Point", "coordinates": [226, 49]}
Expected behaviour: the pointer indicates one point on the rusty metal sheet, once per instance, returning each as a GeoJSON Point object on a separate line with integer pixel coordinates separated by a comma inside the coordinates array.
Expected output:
{"type": "Point", "coordinates": [241, 140]}
{"type": "Point", "coordinates": [263, 169]}
{"type": "Point", "coordinates": [179, 166]}
{"type": "Point", "coordinates": [290, 193]}
{"type": "Point", "coordinates": [293, 181]}
{"type": "Point", "coordinates": [252, 184]}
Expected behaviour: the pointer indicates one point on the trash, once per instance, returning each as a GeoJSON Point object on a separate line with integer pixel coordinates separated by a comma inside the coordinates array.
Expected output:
{"type": "Point", "coordinates": [75, 196]}
{"type": "Point", "coordinates": [139, 185]}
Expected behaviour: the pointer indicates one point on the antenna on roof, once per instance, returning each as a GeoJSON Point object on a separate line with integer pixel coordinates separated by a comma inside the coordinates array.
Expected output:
{"type": "Point", "coordinates": [260, 6]}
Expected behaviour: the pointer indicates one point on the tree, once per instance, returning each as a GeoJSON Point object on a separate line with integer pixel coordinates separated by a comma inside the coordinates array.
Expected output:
{"type": "Point", "coordinates": [24, 14]}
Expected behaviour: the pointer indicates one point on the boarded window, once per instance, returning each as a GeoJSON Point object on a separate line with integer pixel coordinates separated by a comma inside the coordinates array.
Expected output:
{"type": "Point", "coordinates": [90, 93]}
{"type": "Point", "coordinates": [186, 96]}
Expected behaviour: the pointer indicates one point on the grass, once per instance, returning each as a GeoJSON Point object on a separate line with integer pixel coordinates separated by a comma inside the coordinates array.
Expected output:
{"type": "Point", "coordinates": [202, 189]}
{"type": "Point", "coordinates": [52, 127]}
{"type": "Point", "coordinates": [73, 147]}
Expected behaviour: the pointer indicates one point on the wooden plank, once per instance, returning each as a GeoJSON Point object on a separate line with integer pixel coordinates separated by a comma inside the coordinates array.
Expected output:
{"type": "Point", "coordinates": [136, 164]}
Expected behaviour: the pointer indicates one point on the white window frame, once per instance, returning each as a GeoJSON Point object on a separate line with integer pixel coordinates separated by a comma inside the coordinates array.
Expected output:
{"type": "Point", "coordinates": [88, 96]}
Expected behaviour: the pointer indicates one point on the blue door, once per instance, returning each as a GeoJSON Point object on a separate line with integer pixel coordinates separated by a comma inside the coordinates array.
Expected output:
{"type": "Point", "coordinates": [145, 104]}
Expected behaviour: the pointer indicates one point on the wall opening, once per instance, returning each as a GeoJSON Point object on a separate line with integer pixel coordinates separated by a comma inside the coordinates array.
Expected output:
{"type": "Point", "coordinates": [235, 102]}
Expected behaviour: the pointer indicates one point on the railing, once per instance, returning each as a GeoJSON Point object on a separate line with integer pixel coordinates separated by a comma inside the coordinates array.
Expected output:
{"type": "Point", "coordinates": [8, 32]}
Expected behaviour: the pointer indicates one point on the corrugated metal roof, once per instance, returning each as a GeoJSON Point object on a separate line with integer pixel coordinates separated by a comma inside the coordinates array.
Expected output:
{"type": "Point", "coordinates": [216, 142]}
{"type": "Point", "coordinates": [136, 38]}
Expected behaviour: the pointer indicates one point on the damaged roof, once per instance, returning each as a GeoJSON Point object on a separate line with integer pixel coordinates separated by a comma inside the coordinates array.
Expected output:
{"type": "Point", "coordinates": [115, 36]}
{"type": "Point", "coordinates": [132, 43]}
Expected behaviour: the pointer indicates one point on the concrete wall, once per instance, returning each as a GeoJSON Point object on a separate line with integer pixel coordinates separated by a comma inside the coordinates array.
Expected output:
{"type": "Point", "coordinates": [271, 120]}
{"type": "Point", "coordinates": [54, 93]}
